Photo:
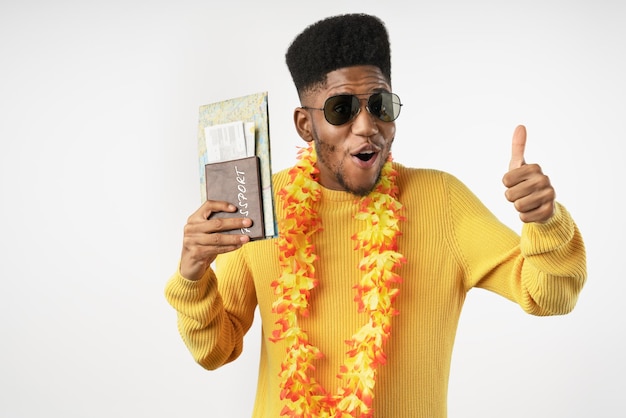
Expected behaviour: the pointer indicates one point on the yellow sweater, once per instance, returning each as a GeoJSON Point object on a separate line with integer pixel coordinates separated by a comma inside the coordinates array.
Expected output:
{"type": "Point", "coordinates": [451, 242]}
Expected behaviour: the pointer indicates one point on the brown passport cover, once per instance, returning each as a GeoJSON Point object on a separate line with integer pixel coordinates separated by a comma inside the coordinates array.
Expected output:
{"type": "Point", "coordinates": [237, 182]}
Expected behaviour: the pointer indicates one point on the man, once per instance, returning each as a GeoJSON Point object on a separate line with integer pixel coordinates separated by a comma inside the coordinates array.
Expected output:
{"type": "Point", "coordinates": [361, 293]}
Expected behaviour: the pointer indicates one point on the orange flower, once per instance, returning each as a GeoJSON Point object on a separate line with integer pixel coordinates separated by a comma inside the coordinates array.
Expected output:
{"type": "Point", "coordinates": [374, 294]}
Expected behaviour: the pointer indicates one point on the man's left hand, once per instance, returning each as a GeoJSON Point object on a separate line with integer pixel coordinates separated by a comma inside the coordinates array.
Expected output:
{"type": "Point", "coordinates": [528, 188]}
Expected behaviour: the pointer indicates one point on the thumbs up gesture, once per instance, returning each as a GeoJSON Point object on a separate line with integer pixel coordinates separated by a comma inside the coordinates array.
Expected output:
{"type": "Point", "coordinates": [528, 188]}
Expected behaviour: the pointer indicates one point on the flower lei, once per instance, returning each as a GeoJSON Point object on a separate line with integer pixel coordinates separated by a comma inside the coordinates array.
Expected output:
{"type": "Point", "coordinates": [380, 211]}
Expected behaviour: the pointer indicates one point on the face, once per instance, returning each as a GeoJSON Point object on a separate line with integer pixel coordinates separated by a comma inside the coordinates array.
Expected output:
{"type": "Point", "coordinates": [350, 156]}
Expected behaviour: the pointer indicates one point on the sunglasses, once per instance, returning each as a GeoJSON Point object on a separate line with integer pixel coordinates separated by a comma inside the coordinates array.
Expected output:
{"type": "Point", "coordinates": [344, 107]}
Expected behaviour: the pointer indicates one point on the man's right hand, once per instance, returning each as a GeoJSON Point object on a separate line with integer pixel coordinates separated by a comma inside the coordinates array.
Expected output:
{"type": "Point", "coordinates": [203, 238]}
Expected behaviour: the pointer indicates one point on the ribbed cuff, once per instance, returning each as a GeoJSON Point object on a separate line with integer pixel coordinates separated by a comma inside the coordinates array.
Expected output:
{"type": "Point", "coordinates": [538, 238]}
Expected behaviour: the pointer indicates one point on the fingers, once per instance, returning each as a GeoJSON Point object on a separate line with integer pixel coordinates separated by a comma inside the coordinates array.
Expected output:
{"type": "Point", "coordinates": [201, 246]}
{"type": "Point", "coordinates": [201, 222]}
{"type": "Point", "coordinates": [540, 214]}
{"type": "Point", "coordinates": [204, 238]}
{"type": "Point", "coordinates": [531, 193]}
{"type": "Point", "coordinates": [209, 207]}
{"type": "Point", "coordinates": [529, 189]}
{"type": "Point", "coordinates": [518, 147]}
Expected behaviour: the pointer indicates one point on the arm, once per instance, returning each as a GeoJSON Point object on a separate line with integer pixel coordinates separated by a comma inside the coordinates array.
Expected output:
{"type": "Point", "coordinates": [212, 319]}
{"type": "Point", "coordinates": [552, 266]}
{"type": "Point", "coordinates": [551, 245]}
{"type": "Point", "coordinates": [545, 269]}
{"type": "Point", "coordinates": [212, 332]}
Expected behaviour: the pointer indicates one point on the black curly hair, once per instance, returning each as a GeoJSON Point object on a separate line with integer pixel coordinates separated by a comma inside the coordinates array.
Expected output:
{"type": "Point", "coordinates": [338, 42]}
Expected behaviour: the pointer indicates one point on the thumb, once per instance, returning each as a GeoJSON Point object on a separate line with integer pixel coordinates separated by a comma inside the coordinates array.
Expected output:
{"type": "Point", "coordinates": [517, 148]}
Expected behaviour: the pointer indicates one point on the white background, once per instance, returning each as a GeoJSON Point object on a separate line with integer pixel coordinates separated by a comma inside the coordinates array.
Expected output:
{"type": "Point", "coordinates": [98, 120]}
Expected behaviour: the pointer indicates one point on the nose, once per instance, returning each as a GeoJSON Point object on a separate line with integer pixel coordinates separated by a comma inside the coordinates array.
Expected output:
{"type": "Point", "coordinates": [364, 123]}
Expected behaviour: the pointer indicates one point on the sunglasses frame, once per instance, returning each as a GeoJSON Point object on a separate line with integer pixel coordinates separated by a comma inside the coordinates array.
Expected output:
{"type": "Point", "coordinates": [355, 107]}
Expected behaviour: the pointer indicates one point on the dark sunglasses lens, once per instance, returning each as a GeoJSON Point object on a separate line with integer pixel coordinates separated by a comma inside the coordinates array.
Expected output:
{"type": "Point", "coordinates": [385, 106]}
{"type": "Point", "coordinates": [340, 109]}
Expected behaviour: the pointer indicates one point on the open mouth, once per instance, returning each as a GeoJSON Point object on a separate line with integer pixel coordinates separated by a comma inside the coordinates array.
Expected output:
{"type": "Point", "coordinates": [365, 156]}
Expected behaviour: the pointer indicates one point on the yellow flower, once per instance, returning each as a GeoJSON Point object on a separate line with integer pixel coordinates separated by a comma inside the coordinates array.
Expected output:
{"type": "Point", "coordinates": [380, 212]}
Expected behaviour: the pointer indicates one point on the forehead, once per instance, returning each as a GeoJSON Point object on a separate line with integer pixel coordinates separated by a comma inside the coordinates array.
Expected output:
{"type": "Point", "coordinates": [351, 80]}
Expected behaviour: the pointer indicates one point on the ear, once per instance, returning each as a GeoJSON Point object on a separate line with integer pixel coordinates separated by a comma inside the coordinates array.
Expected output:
{"type": "Point", "coordinates": [302, 120]}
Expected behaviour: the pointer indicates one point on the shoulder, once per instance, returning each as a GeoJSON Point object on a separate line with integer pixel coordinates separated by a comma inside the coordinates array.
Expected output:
{"type": "Point", "coordinates": [428, 184]}
{"type": "Point", "coordinates": [422, 177]}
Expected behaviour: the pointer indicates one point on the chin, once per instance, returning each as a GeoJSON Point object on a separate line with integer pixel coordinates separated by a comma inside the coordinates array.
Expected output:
{"type": "Point", "coordinates": [361, 190]}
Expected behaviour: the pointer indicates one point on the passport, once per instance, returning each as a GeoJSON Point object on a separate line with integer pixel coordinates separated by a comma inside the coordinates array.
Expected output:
{"type": "Point", "coordinates": [238, 182]}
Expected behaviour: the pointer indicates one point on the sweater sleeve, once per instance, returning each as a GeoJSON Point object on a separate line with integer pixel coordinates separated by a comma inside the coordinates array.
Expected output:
{"type": "Point", "coordinates": [543, 271]}
{"type": "Point", "coordinates": [213, 317]}
{"type": "Point", "coordinates": [552, 265]}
